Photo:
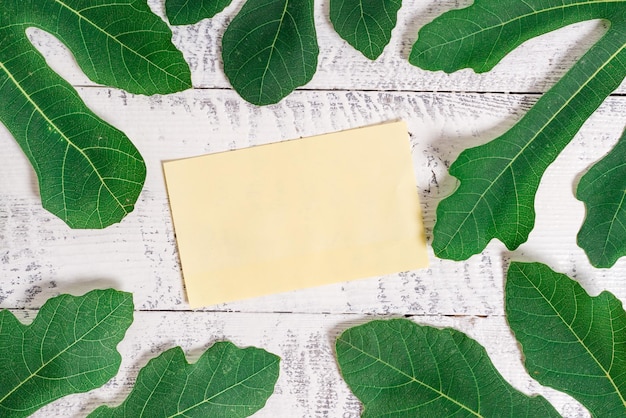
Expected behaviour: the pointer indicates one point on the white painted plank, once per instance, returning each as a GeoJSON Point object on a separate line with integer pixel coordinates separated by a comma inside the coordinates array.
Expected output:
{"type": "Point", "coordinates": [309, 384]}
{"type": "Point", "coordinates": [533, 67]}
{"type": "Point", "coordinates": [40, 257]}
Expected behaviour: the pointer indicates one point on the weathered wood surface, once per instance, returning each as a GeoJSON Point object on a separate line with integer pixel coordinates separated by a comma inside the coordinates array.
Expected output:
{"type": "Point", "coordinates": [40, 257]}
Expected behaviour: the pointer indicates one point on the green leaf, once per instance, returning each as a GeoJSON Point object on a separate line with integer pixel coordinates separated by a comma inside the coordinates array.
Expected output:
{"type": "Point", "coordinates": [225, 382]}
{"type": "Point", "coordinates": [117, 43]}
{"type": "Point", "coordinates": [70, 347]}
{"type": "Point", "coordinates": [603, 189]}
{"type": "Point", "coordinates": [499, 180]}
{"type": "Point", "coordinates": [480, 35]}
{"type": "Point", "coordinates": [365, 24]}
{"type": "Point", "coordinates": [400, 369]}
{"type": "Point", "coordinates": [90, 174]}
{"type": "Point", "coordinates": [270, 49]}
{"type": "Point", "coordinates": [185, 12]}
{"type": "Point", "coordinates": [571, 341]}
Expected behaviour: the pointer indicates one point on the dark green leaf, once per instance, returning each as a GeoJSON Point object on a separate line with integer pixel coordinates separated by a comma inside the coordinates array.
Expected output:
{"type": "Point", "coordinates": [70, 347]}
{"type": "Point", "coordinates": [365, 24]}
{"type": "Point", "coordinates": [603, 189]}
{"type": "Point", "coordinates": [270, 49]}
{"type": "Point", "coordinates": [480, 35]}
{"type": "Point", "coordinates": [400, 369]}
{"type": "Point", "coordinates": [186, 12]}
{"type": "Point", "coordinates": [226, 382]}
{"type": "Point", "coordinates": [499, 180]}
{"type": "Point", "coordinates": [90, 175]}
{"type": "Point", "coordinates": [118, 43]}
{"type": "Point", "coordinates": [571, 341]}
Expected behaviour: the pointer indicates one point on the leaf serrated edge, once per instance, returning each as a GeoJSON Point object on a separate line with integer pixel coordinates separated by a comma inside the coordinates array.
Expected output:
{"type": "Point", "coordinates": [412, 378]}
{"type": "Point", "coordinates": [519, 266]}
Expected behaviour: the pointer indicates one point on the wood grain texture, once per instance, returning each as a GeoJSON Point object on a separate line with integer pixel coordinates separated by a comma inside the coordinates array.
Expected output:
{"type": "Point", "coordinates": [40, 257]}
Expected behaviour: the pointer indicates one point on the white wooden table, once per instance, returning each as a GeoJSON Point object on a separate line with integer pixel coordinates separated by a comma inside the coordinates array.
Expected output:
{"type": "Point", "coordinates": [40, 257]}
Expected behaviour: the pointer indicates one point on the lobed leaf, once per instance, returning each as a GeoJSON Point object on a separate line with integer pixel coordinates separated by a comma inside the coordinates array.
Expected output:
{"type": "Point", "coordinates": [398, 369]}
{"type": "Point", "coordinates": [185, 12]}
{"type": "Point", "coordinates": [226, 382]}
{"type": "Point", "coordinates": [603, 189]}
{"type": "Point", "coordinates": [270, 48]}
{"type": "Point", "coordinates": [90, 174]}
{"type": "Point", "coordinates": [571, 341]}
{"type": "Point", "coordinates": [365, 24]}
{"type": "Point", "coordinates": [499, 180]}
{"type": "Point", "coordinates": [70, 347]}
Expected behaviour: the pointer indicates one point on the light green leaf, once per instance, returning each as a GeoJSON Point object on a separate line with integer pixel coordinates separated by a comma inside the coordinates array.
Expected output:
{"type": "Point", "coordinates": [571, 341]}
{"type": "Point", "coordinates": [186, 12]}
{"type": "Point", "coordinates": [70, 347]}
{"type": "Point", "coordinates": [270, 49]}
{"type": "Point", "coordinates": [365, 24]}
{"type": "Point", "coordinates": [499, 180]}
{"type": "Point", "coordinates": [90, 174]}
{"type": "Point", "coordinates": [226, 382]}
{"type": "Point", "coordinates": [400, 369]}
{"type": "Point", "coordinates": [603, 189]}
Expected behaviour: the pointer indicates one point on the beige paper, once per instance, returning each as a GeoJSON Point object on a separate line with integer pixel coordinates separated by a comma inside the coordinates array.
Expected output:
{"type": "Point", "coordinates": [296, 214]}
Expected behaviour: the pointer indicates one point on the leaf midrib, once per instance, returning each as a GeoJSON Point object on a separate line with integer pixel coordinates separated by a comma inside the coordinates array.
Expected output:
{"type": "Point", "coordinates": [45, 364]}
{"type": "Point", "coordinates": [520, 17]}
{"type": "Point", "coordinates": [362, 19]}
{"type": "Point", "coordinates": [412, 378]}
{"type": "Point", "coordinates": [575, 334]}
{"type": "Point", "coordinates": [60, 132]}
{"type": "Point", "coordinates": [533, 138]}
{"type": "Point", "coordinates": [272, 47]}
{"type": "Point", "coordinates": [208, 400]}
